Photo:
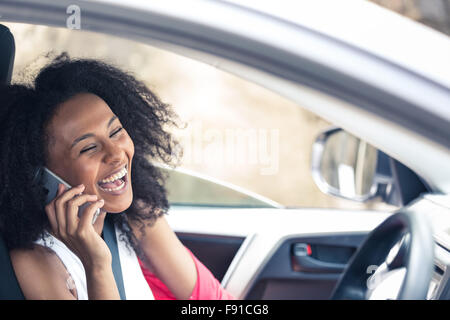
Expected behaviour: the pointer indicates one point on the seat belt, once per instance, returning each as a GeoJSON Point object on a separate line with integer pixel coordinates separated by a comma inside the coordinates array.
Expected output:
{"type": "Point", "coordinates": [109, 235]}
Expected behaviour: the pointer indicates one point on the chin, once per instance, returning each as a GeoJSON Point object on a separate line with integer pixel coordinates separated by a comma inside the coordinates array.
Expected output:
{"type": "Point", "coordinates": [116, 209]}
{"type": "Point", "coordinates": [116, 206]}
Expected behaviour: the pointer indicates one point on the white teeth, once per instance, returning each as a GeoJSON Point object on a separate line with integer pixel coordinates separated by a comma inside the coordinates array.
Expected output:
{"type": "Point", "coordinates": [116, 176]}
{"type": "Point", "coordinates": [115, 189]}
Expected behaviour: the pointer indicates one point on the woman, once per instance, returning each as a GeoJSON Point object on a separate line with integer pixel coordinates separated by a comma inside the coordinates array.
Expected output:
{"type": "Point", "coordinates": [96, 127]}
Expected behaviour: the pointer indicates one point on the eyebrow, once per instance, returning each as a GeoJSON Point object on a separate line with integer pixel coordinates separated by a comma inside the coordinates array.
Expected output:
{"type": "Point", "coordinates": [88, 135]}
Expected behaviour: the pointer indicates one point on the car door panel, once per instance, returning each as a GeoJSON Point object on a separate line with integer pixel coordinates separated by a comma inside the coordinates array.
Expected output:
{"type": "Point", "coordinates": [263, 265]}
{"type": "Point", "coordinates": [305, 267]}
{"type": "Point", "coordinates": [216, 252]}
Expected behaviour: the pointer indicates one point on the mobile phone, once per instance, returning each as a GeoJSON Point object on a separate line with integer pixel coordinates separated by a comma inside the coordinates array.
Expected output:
{"type": "Point", "coordinates": [50, 181]}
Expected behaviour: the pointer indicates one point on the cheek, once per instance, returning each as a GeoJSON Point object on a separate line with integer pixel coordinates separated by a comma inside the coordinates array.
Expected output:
{"type": "Point", "coordinates": [132, 149]}
{"type": "Point", "coordinates": [129, 146]}
{"type": "Point", "coordinates": [86, 174]}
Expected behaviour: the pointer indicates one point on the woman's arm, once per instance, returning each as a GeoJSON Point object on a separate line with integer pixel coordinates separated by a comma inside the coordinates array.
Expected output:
{"type": "Point", "coordinates": [167, 258]}
{"type": "Point", "coordinates": [101, 284]}
{"type": "Point", "coordinates": [43, 276]}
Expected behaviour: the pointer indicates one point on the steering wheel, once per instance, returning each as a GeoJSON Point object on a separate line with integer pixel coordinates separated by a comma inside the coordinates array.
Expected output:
{"type": "Point", "coordinates": [404, 240]}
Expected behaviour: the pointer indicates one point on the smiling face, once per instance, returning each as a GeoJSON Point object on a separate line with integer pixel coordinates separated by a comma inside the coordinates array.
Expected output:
{"type": "Point", "coordinates": [89, 146]}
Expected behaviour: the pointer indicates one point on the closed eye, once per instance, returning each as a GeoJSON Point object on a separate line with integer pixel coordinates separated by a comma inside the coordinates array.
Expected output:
{"type": "Point", "coordinates": [87, 149]}
{"type": "Point", "coordinates": [116, 132]}
{"type": "Point", "coordinates": [112, 135]}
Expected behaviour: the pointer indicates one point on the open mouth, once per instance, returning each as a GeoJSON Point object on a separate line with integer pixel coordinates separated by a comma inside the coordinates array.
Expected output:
{"type": "Point", "coordinates": [115, 182]}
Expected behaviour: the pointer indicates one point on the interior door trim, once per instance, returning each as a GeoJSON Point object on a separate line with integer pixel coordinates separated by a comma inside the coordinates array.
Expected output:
{"type": "Point", "coordinates": [231, 269]}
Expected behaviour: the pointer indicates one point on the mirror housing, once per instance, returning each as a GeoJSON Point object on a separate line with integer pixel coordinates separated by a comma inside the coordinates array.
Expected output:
{"type": "Point", "coordinates": [343, 165]}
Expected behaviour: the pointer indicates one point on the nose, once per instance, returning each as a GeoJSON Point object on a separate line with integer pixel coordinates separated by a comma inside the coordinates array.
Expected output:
{"type": "Point", "coordinates": [112, 154]}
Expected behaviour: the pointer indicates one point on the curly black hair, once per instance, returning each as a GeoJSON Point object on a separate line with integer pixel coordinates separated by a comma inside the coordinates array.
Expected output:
{"type": "Point", "coordinates": [25, 112]}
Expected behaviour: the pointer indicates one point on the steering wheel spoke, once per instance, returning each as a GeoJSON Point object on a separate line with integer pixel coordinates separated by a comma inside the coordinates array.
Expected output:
{"type": "Point", "coordinates": [397, 256]}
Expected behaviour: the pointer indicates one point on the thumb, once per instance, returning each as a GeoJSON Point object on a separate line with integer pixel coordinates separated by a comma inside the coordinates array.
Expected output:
{"type": "Point", "coordinates": [99, 223]}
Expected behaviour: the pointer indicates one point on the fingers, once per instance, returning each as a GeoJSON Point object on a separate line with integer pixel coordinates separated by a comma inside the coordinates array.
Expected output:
{"type": "Point", "coordinates": [73, 207]}
{"type": "Point", "coordinates": [88, 214]}
{"type": "Point", "coordinates": [51, 211]}
{"type": "Point", "coordinates": [60, 207]}
{"type": "Point", "coordinates": [98, 225]}
{"type": "Point", "coordinates": [63, 211]}
{"type": "Point", "coordinates": [78, 233]}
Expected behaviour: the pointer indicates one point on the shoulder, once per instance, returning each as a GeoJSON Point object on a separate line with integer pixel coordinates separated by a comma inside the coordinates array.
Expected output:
{"type": "Point", "coordinates": [40, 273]}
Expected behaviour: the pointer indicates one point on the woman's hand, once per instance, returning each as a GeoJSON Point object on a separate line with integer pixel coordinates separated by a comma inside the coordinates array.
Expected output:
{"type": "Point", "coordinates": [79, 234]}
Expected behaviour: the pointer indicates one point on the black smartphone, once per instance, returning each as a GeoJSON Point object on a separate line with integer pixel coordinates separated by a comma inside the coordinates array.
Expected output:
{"type": "Point", "coordinates": [50, 181]}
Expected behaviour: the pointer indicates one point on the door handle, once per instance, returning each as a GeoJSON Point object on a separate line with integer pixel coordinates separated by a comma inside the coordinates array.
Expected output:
{"type": "Point", "coordinates": [303, 262]}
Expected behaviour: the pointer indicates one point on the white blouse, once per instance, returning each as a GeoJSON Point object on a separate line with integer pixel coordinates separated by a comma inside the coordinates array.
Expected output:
{"type": "Point", "coordinates": [135, 285]}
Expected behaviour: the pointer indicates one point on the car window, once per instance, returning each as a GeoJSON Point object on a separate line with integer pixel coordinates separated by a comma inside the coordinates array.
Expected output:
{"type": "Point", "coordinates": [253, 145]}
{"type": "Point", "coordinates": [186, 188]}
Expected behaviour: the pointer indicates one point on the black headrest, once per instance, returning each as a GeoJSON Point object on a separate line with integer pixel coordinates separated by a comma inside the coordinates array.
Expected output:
{"type": "Point", "coordinates": [7, 52]}
{"type": "Point", "coordinates": [9, 287]}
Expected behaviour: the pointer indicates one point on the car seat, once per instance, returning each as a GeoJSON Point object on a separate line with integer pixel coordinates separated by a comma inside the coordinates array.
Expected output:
{"type": "Point", "coordinates": [9, 286]}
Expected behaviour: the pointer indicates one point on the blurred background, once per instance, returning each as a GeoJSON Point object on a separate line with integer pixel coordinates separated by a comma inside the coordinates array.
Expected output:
{"type": "Point", "coordinates": [235, 131]}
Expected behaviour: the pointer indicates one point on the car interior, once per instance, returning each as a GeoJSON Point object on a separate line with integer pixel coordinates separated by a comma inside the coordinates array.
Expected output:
{"type": "Point", "coordinates": [307, 267]}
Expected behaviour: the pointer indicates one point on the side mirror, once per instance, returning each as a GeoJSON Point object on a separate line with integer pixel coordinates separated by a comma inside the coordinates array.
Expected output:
{"type": "Point", "coordinates": [342, 165]}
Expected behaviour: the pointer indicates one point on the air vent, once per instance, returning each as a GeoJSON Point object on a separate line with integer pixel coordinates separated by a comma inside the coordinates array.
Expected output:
{"type": "Point", "coordinates": [438, 270]}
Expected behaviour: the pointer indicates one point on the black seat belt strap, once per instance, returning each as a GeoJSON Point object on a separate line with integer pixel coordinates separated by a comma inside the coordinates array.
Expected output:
{"type": "Point", "coordinates": [109, 235]}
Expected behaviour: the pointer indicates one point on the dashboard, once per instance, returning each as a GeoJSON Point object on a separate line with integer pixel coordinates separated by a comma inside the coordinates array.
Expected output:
{"type": "Point", "coordinates": [437, 208]}
{"type": "Point", "coordinates": [440, 284]}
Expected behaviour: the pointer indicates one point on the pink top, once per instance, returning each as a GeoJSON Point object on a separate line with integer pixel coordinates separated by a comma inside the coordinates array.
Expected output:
{"type": "Point", "coordinates": [206, 288]}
